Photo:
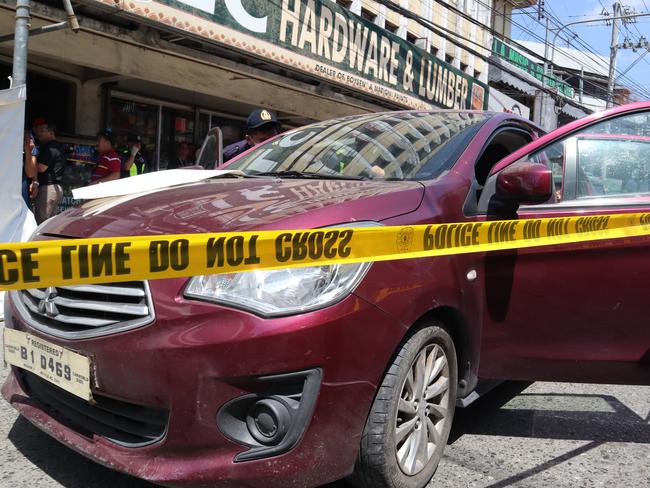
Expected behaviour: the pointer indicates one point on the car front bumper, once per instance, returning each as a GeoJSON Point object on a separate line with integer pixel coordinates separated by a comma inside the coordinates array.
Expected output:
{"type": "Point", "coordinates": [195, 358]}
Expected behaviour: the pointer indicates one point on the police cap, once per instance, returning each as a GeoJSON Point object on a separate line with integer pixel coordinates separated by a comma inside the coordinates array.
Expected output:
{"type": "Point", "coordinates": [261, 117]}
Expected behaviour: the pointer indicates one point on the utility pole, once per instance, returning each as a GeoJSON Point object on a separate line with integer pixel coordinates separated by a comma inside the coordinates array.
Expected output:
{"type": "Point", "coordinates": [581, 84]}
{"type": "Point", "coordinates": [539, 114]}
{"type": "Point", "coordinates": [612, 56]}
{"type": "Point", "coordinates": [19, 75]}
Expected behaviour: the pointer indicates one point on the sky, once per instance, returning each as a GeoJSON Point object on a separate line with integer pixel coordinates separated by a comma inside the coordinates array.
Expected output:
{"type": "Point", "coordinates": [597, 34]}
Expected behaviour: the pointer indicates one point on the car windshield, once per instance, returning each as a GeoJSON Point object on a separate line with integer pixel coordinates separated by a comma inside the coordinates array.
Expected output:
{"type": "Point", "coordinates": [396, 146]}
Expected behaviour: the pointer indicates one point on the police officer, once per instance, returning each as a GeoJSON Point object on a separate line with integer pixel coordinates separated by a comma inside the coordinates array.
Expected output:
{"type": "Point", "coordinates": [133, 162]}
{"type": "Point", "coordinates": [261, 125]}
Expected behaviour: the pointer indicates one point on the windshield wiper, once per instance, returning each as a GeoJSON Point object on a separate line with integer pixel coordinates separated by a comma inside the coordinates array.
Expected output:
{"type": "Point", "coordinates": [307, 175]}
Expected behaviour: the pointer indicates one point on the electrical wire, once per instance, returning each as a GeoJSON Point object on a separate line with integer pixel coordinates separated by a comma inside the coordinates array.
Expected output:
{"type": "Point", "coordinates": [595, 57]}
{"type": "Point", "coordinates": [598, 60]}
{"type": "Point", "coordinates": [491, 30]}
{"type": "Point", "coordinates": [533, 34]}
{"type": "Point", "coordinates": [440, 32]}
{"type": "Point", "coordinates": [556, 21]}
{"type": "Point", "coordinates": [511, 41]}
{"type": "Point", "coordinates": [587, 50]}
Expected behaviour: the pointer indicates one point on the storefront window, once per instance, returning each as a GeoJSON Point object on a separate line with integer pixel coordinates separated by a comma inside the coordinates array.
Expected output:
{"type": "Point", "coordinates": [177, 128]}
{"type": "Point", "coordinates": [128, 117]}
{"type": "Point", "coordinates": [179, 133]}
{"type": "Point", "coordinates": [81, 156]}
{"type": "Point", "coordinates": [204, 126]}
{"type": "Point", "coordinates": [48, 97]}
{"type": "Point", "coordinates": [231, 129]}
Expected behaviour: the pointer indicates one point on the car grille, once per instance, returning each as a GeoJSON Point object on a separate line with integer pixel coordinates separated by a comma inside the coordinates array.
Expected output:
{"type": "Point", "coordinates": [123, 423]}
{"type": "Point", "coordinates": [82, 311]}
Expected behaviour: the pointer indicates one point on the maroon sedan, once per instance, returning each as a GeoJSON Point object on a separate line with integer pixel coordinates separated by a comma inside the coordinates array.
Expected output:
{"type": "Point", "coordinates": [297, 377]}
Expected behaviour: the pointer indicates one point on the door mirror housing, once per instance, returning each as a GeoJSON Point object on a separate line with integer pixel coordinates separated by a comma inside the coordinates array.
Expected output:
{"type": "Point", "coordinates": [525, 182]}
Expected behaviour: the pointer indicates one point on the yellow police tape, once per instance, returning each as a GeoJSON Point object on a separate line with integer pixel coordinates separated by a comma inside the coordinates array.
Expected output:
{"type": "Point", "coordinates": [77, 261]}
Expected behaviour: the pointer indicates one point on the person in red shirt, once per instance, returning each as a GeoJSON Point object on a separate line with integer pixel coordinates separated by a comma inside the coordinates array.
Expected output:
{"type": "Point", "coordinates": [109, 164]}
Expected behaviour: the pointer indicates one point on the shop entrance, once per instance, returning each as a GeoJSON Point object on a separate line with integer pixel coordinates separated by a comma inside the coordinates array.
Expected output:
{"type": "Point", "coordinates": [132, 117]}
{"type": "Point", "coordinates": [165, 127]}
{"type": "Point", "coordinates": [177, 130]}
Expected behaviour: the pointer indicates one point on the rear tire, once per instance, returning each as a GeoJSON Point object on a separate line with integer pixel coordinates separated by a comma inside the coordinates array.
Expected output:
{"type": "Point", "coordinates": [410, 419]}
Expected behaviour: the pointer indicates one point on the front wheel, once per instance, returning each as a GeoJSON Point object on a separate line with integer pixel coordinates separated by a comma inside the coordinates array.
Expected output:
{"type": "Point", "coordinates": [410, 419]}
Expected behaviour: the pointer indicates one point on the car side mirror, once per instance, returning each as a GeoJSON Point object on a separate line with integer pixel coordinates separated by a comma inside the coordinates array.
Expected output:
{"type": "Point", "coordinates": [525, 182]}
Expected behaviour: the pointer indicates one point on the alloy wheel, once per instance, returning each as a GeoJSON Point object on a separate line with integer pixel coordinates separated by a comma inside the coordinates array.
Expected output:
{"type": "Point", "coordinates": [422, 413]}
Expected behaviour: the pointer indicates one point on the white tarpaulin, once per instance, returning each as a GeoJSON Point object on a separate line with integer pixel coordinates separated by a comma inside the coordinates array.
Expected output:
{"type": "Point", "coordinates": [17, 222]}
{"type": "Point", "coordinates": [147, 183]}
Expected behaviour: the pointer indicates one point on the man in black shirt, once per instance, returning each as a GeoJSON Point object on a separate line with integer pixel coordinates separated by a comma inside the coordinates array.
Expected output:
{"type": "Point", "coordinates": [50, 164]}
{"type": "Point", "coordinates": [260, 126]}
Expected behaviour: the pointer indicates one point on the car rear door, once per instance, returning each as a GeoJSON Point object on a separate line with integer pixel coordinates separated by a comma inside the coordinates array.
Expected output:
{"type": "Point", "coordinates": [576, 312]}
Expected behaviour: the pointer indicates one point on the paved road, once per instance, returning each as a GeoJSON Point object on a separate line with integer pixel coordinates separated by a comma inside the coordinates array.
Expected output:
{"type": "Point", "coordinates": [520, 435]}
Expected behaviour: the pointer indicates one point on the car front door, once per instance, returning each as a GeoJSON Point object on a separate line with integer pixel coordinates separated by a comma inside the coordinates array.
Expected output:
{"type": "Point", "coordinates": [576, 312]}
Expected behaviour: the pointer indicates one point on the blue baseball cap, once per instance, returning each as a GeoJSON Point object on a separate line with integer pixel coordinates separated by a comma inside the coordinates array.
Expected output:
{"type": "Point", "coordinates": [261, 117]}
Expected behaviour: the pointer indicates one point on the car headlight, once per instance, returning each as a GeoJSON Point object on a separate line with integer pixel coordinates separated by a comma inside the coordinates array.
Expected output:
{"type": "Point", "coordinates": [284, 291]}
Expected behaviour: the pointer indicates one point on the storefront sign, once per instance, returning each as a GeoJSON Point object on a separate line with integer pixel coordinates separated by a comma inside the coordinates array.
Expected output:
{"type": "Point", "coordinates": [324, 40]}
{"type": "Point", "coordinates": [500, 102]}
{"type": "Point", "coordinates": [517, 59]}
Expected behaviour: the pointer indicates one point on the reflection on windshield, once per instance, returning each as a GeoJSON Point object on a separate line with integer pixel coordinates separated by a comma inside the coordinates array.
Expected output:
{"type": "Point", "coordinates": [395, 146]}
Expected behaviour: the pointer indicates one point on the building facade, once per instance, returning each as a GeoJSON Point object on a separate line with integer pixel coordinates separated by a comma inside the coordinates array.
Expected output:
{"type": "Point", "coordinates": [170, 69]}
{"type": "Point", "coordinates": [450, 17]}
{"type": "Point", "coordinates": [572, 84]}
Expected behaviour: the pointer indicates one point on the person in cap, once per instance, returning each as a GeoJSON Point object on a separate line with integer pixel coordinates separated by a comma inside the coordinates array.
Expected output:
{"type": "Point", "coordinates": [38, 121]}
{"type": "Point", "coordinates": [109, 164]}
{"type": "Point", "coordinates": [133, 161]}
{"type": "Point", "coordinates": [261, 125]}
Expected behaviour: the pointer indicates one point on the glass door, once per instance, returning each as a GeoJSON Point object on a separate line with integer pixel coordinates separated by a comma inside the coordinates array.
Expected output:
{"type": "Point", "coordinates": [177, 139]}
{"type": "Point", "coordinates": [127, 117]}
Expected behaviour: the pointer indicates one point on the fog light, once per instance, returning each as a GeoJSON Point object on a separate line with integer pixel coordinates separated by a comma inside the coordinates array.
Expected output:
{"type": "Point", "coordinates": [268, 420]}
{"type": "Point", "coordinates": [273, 417]}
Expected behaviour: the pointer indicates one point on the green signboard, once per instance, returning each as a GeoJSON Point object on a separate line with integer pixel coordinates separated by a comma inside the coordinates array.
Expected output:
{"type": "Point", "coordinates": [517, 59]}
{"type": "Point", "coordinates": [325, 40]}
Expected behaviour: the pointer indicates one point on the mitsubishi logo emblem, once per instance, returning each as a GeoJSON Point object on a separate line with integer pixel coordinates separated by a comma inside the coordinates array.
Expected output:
{"type": "Point", "coordinates": [46, 305]}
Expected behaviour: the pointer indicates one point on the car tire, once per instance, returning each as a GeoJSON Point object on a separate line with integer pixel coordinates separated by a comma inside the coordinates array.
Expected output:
{"type": "Point", "coordinates": [398, 422]}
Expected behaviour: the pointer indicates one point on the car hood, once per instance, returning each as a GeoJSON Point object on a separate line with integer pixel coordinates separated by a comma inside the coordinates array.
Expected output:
{"type": "Point", "coordinates": [240, 204]}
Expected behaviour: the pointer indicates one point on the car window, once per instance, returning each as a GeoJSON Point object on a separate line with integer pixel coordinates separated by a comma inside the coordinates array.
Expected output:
{"type": "Point", "coordinates": [607, 159]}
{"type": "Point", "coordinates": [396, 146]}
{"type": "Point", "coordinates": [612, 167]}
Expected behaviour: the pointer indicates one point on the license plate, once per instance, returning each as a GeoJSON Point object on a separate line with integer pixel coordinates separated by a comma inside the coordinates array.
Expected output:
{"type": "Point", "coordinates": [58, 365]}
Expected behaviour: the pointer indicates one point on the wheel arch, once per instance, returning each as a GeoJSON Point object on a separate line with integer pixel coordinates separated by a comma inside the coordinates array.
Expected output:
{"type": "Point", "coordinates": [460, 331]}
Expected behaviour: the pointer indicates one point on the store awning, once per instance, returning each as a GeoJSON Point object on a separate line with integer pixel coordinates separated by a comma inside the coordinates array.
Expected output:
{"type": "Point", "coordinates": [574, 112]}
{"type": "Point", "coordinates": [529, 85]}
{"type": "Point", "coordinates": [500, 102]}
{"type": "Point", "coordinates": [525, 83]}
